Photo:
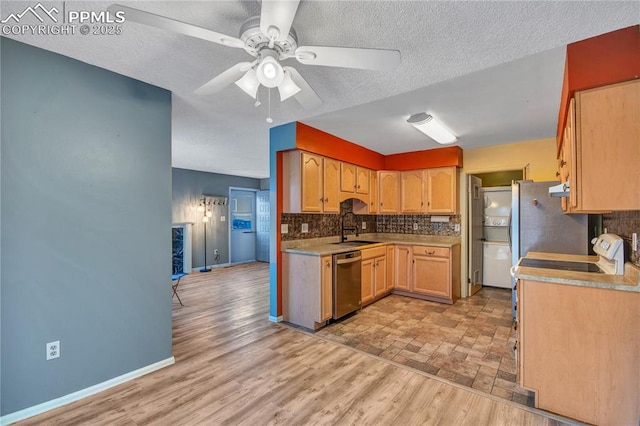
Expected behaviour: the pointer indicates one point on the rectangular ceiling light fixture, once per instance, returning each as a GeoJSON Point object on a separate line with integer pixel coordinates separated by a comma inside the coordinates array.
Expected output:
{"type": "Point", "coordinates": [431, 127]}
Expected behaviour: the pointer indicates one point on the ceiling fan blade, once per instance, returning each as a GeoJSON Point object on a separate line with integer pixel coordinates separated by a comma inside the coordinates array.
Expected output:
{"type": "Point", "coordinates": [153, 20]}
{"type": "Point", "coordinates": [307, 97]}
{"type": "Point", "coordinates": [278, 14]}
{"type": "Point", "coordinates": [224, 79]}
{"type": "Point", "coordinates": [349, 57]}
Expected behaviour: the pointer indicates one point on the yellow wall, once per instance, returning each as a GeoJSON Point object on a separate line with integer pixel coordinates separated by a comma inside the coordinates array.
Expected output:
{"type": "Point", "coordinates": [539, 154]}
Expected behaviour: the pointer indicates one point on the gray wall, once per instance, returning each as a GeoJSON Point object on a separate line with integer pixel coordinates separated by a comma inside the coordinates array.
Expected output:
{"type": "Point", "coordinates": [188, 187]}
{"type": "Point", "coordinates": [86, 225]}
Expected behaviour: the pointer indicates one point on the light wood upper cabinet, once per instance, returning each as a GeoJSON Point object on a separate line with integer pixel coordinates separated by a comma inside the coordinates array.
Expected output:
{"type": "Point", "coordinates": [373, 193]}
{"type": "Point", "coordinates": [412, 191]}
{"type": "Point", "coordinates": [312, 183]}
{"type": "Point", "coordinates": [442, 190]}
{"type": "Point", "coordinates": [331, 183]}
{"type": "Point", "coordinates": [354, 179]}
{"type": "Point", "coordinates": [388, 187]}
{"type": "Point", "coordinates": [607, 153]}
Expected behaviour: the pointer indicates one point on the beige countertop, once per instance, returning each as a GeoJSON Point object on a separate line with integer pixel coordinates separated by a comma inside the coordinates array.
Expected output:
{"type": "Point", "coordinates": [630, 281]}
{"type": "Point", "coordinates": [327, 246]}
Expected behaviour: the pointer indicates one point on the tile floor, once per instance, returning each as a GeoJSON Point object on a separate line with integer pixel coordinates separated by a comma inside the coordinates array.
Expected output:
{"type": "Point", "coordinates": [470, 342]}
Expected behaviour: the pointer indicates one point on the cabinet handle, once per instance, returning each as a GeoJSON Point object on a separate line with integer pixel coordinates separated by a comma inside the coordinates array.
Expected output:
{"type": "Point", "coordinates": [326, 200]}
{"type": "Point", "coordinates": [328, 264]}
{"type": "Point", "coordinates": [563, 163]}
{"type": "Point", "coordinates": [429, 252]}
{"type": "Point", "coordinates": [557, 174]}
{"type": "Point", "coordinates": [321, 199]}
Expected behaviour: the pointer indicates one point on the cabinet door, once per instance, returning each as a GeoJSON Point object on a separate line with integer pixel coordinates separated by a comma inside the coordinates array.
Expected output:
{"type": "Point", "coordinates": [368, 275]}
{"type": "Point", "coordinates": [380, 271]}
{"type": "Point", "coordinates": [442, 190]}
{"type": "Point", "coordinates": [362, 180]}
{"type": "Point", "coordinates": [312, 194]}
{"type": "Point", "coordinates": [388, 192]}
{"type": "Point", "coordinates": [608, 131]}
{"type": "Point", "coordinates": [402, 279]}
{"type": "Point", "coordinates": [373, 193]}
{"type": "Point", "coordinates": [326, 282]}
{"type": "Point", "coordinates": [569, 157]}
{"type": "Point", "coordinates": [347, 177]}
{"type": "Point", "coordinates": [431, 275]}
{"type": "Point", "coordinates": [331, 187]}
{"type": "Point", "coordinates": [411, 191]}
{"type": "Point", "coordinates": [390, 268]}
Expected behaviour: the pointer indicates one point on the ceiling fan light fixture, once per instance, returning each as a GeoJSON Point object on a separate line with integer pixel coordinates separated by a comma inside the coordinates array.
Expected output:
{"type": "Point", "coordinates": [287, 88]}
{"type": "Point", "coordinates": [431, 127]}
{"type": "Point", "coordinates": [249, 83]}
{"type": "Point", "coordinates": [270, 73]}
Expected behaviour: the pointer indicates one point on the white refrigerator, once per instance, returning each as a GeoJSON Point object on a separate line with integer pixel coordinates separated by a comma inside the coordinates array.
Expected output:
{"type": "Point", "coordinates": [496, 248]}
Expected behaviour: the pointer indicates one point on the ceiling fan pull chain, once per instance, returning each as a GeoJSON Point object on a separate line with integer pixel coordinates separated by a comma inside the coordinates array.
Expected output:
{"type": "Point", "coordinates": [269, 119]}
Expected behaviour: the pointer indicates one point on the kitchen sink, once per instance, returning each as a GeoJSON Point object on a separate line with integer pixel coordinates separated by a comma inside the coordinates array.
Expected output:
{"type": "Point", "coordinates": [356, 242]}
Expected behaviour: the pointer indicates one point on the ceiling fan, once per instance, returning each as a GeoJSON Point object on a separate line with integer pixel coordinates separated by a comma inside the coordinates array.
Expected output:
{"type": "Point", "coordinates": [271, 39]}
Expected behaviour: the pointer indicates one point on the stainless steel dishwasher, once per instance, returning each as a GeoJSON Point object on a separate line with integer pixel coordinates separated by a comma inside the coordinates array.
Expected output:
{"type": "Point", "coordinates": [346, 283]}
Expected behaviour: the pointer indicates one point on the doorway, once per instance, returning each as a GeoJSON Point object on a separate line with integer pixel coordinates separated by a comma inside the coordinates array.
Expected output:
{"type": "Point", "coordinates": [489, 205]}
{"type": "Point", "coordinates": [242, 239]}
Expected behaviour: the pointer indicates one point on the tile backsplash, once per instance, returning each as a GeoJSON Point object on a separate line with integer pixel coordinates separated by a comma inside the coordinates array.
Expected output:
{"type": "Point", "coordinates": [624, 224]}
{"type": "Point", "coordinates": [329, 225]}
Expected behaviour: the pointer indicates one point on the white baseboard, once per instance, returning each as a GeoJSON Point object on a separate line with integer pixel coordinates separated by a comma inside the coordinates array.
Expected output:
{"type": "Point", "coordinates": [75, 396]}
{"type": "Point", "coordinates": [275, 319]}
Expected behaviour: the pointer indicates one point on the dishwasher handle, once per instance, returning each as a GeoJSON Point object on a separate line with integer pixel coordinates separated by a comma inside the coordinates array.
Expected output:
{"type": "Point", "coordinates": [348, 260]}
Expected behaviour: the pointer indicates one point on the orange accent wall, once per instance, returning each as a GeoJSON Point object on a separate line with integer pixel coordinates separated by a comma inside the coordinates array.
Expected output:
{"type": "Point", "coordinates": [440, 157]}
{"type": "Point", "coordinates": [598, 61]}
{"type": "Point", "coordinates": [325, 144]}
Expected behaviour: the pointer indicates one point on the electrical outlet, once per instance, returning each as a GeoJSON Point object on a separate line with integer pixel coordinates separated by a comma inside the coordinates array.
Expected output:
{"type": "Point", "coordinates": [415, 226]}
{"type": "Point", "coordinates": [223, 219]}
{"type": "Point", "coordinates": [634, 241]}
{"type": "Point", "coordinates": [456, 227]}
{"type": "Point", "coordinates": [284, 228]}
{"type": "Point", "coordinates": [364, 225]}
{"type": "Point", "coordinates": [53, 350]}
{"type": "Point", "coordinates": [305, 228]}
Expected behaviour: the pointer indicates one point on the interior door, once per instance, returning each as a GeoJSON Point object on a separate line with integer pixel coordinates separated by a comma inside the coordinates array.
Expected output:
{"type": "Point", "coordinates": [243, 226]}
{"type": "Point", "coordinates": [262, 226]}
{"type": "Point", "coordinates": [475, 234]}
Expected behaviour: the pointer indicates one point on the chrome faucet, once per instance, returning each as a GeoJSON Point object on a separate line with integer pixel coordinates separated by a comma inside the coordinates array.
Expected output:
{"type": "Point", "coordinates": [354, 228]}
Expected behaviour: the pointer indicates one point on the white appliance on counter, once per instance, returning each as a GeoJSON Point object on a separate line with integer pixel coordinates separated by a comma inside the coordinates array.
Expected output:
{"type": "Point", "coordinates": [611, 251]}
{"type": "Point", "coordinates": [496, 250]}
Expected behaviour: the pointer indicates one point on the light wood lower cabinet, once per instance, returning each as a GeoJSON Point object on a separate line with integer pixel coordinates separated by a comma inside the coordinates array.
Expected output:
{"type": "Point", "coordinates": [374, 274]}
{"type": "Point", "coordinates": [578, 350]}
{"type": "Point", "coordinates": [431, 273]}
{"type": "Point", "coordinates": [307, 291]}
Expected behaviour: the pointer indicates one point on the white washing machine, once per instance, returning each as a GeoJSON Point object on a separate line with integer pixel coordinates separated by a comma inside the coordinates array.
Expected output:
{"type": "Point", "coordinates": [496, 264]}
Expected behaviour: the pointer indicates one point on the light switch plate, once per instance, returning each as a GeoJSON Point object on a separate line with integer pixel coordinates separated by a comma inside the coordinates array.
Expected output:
{"type": "Point", "coordinates": [223, 218]}
{"type": "Point", "coordinates": [415, 226]}
{"type": "Point", "coordinates": [634, 241]}
{"type": "Point", "coordinates": [364, 225]}
{"type": "Point", "coordinates": [305, 228]}
{"type": "Point", "coordinates": [456, 227]}
{"type": "Point", "coordinates": [284, 228]}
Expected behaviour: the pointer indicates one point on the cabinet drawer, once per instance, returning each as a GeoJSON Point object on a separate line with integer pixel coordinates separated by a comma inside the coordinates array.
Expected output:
{"type": "Point", "coordinates": [373, 252]}
{"type": "Point", "coordinates": [431, 251]}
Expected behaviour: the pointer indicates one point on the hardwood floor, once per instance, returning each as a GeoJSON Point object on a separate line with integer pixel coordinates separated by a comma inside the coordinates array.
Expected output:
{"type": "Point", "coordinates": [233, 366]}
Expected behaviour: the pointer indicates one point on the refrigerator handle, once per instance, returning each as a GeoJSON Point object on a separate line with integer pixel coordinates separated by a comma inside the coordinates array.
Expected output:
{"type": "Point", "coordinates": [509, 228]}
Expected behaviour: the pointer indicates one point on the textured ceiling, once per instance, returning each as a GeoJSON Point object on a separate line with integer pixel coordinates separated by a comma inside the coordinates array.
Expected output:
{"type": "Point", "coordinates": [491, 71]}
